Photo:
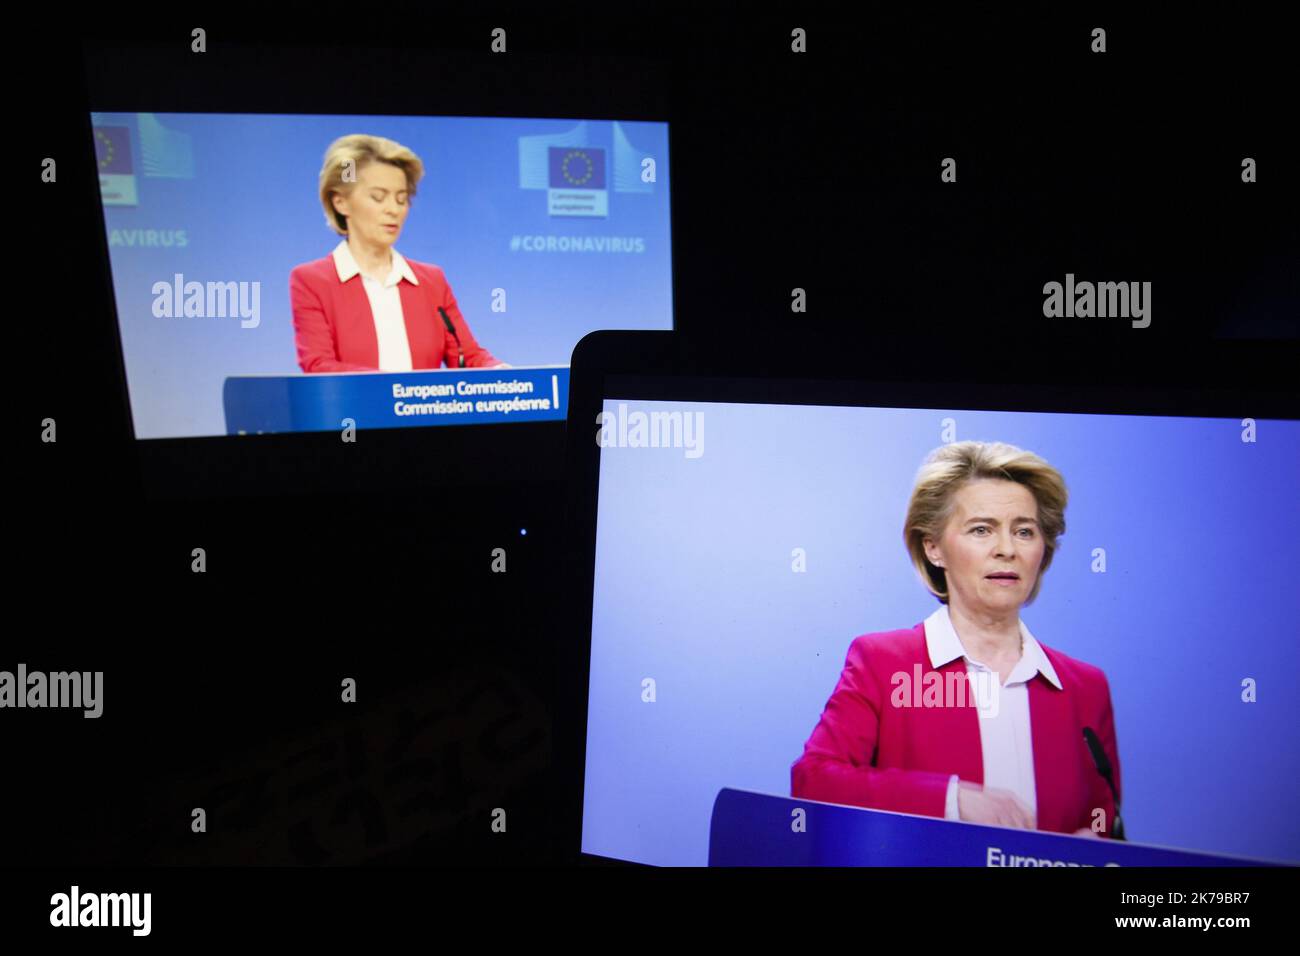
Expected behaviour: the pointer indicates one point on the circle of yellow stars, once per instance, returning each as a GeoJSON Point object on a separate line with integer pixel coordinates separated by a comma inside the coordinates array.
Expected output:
{"type": "Point", "coordinates": [108, 148]}
{"type": "Point", "coordinates": [576, 154]}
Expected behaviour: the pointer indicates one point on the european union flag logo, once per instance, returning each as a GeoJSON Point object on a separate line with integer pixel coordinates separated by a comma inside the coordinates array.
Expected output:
{"type": "Point", "coordinates": [113, 149]}
{"type": "Point", "coordinates": [116, 171]}
{"type": "Point", "coordinates": [576, 167]}
{"type": "Point", "coordinates": [576, 184]}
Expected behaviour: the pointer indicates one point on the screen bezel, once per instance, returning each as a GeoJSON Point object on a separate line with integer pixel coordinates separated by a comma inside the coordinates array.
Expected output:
{"type": "Point", "coordinates": [667, 366]}
{"type": "Point", "coordinates": [121, 77]}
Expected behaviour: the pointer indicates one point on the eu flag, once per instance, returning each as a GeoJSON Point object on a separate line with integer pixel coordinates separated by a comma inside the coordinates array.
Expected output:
{"type": "Point", "coordinates": [576, 167]}
{"type": "Point", "coordinates": [113, 150]}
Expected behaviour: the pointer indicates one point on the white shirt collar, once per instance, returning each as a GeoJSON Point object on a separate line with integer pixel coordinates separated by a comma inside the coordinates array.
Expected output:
{"type": "Point", "coordinates": [346, 265]}
{"type": "Point", "coordinates": [943, 645]}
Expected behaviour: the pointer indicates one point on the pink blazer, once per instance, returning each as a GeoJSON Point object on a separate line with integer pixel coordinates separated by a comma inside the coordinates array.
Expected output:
{"type": "Point", "coordinates": [334, 327]}
{"type": "Point", "coordinates": [864, 752]}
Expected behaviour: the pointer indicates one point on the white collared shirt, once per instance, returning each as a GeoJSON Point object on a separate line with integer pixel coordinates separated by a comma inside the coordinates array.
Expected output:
{"type": "Point", "coordinates": [385, 305]}
{"type": "Point", "coordinates": [1005, 740]}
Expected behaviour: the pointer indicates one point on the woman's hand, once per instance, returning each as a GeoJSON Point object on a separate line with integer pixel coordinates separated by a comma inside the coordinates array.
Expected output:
{"type": "Point", "coordinates": [1088, 832]}
{"type": "Point", "coordinates": [993, 807]}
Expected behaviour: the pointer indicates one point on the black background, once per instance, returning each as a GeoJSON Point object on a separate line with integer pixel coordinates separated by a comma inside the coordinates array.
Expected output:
{"type": "Point", "coordinates": [818, 171]}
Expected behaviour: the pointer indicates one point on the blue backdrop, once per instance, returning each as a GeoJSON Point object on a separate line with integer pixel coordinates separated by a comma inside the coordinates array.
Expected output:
{"type": "Point", "coordinates": [694, 588]}
{"type": "Point", "coordinates": [233, 198]}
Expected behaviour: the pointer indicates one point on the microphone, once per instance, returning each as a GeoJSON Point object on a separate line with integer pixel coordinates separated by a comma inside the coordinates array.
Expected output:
{"type": "Point", "coordinates": [452, 329]}
{"type": "Point", "coordinates": [1103, 767]}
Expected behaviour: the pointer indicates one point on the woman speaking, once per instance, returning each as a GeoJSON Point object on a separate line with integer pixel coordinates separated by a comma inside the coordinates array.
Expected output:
{"type": "Point", "coordinates": [364, 307]}
{"type": "Point", "coordinates": [981, 529]}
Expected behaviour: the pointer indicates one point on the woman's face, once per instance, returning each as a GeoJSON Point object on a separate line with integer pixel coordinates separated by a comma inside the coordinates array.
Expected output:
{"type": "Point", "coordinates": [993, 528]}
{"type": "Point", "coordinates": [377, 205]}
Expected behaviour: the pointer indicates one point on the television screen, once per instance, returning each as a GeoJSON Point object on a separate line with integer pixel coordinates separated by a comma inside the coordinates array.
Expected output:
{"type": "Point", "coordinates": [291, 273]}
{"type": "Point", "coordinates": [805, 611]}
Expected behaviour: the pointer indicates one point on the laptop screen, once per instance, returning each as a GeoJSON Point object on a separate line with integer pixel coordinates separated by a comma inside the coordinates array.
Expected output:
{"type": "Point", "coordinates": [293, 273]}
{"type": "Point", "coordinates": [766, 609]}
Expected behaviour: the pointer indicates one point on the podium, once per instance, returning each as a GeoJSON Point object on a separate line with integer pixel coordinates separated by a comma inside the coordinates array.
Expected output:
{"type": "Point", "coordinates": [266, 404]}
{"type": "Point", "coordinates": [759, 829]}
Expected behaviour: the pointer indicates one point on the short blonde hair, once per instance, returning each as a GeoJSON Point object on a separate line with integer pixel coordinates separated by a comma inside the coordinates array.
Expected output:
{"type": "Point", "coordinates": [358, 151]}
{"type": "Point", "coordinates": [950, 467]}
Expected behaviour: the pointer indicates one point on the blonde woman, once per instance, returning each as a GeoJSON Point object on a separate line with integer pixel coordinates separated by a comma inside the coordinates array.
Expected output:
{"type": "Point", "coordinates": [906, 729]}
{"type": "Point", "coordinates": [365, 307]}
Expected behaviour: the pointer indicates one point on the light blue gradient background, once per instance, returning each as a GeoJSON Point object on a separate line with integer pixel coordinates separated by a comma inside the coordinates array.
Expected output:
{"type": "Point", "coordinates": [252, 213]}
{"type": "Point", "coordinates": [694, 587]}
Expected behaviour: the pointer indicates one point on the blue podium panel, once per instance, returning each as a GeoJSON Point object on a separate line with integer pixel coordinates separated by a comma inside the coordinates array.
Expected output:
{"type": "Point", "coordinates": [264, 404]}
{"type": "Point", "coordinates": [758, 829]}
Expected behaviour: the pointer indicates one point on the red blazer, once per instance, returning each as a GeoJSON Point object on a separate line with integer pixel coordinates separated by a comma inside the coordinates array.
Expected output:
{"type": "Point", "coordinates": [334, 328]}
{"type": "Point", "coordinates": [864, 752]}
